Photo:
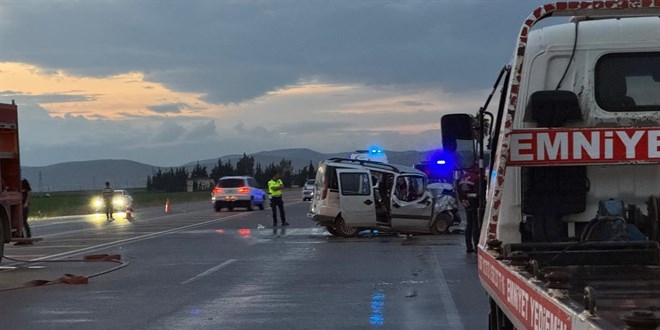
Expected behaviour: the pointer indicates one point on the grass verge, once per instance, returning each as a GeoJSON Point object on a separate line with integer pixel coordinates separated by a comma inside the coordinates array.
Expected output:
{"type": "Point", "coordinates": [57, 204]}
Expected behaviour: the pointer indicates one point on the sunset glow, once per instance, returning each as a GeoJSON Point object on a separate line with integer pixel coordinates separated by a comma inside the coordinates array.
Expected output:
{"type": "Point", "coordinates": [112, 97]}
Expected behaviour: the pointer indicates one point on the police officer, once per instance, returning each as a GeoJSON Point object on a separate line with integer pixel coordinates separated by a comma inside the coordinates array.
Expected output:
{"type": "Point", "coordinates": [108, 194]}
{"type": "Point", "coordinates": [26, 195]}
{"type": "Point", "coordinates": [467, 193]}
{"type": "Point", "coordinates": [275, 187]}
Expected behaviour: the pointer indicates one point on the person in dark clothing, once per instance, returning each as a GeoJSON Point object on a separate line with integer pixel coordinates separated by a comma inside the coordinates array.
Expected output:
{"type": "Point", "coordinates": [26, 194]}
{"type": "Point", "coordinates": [467, 193]}
{"type": "Point", "coordinates": [275, 187]}
{"type": "Point", "coordinates": [108, 194]}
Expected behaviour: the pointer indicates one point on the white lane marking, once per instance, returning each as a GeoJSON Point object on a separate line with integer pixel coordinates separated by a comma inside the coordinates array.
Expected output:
{"type": "Point", "coordinates": [451, 312]}
{"type": "Point", "coordinates": [210, 271]}
{"type": "Point", "coordinates": [83, 219]}
{"type": "Point", "coordinates": [307, 242]}
{"type": "Point", "coordinates": [135, 239]}
{"type": "Point", "coordinates": [138, 238]}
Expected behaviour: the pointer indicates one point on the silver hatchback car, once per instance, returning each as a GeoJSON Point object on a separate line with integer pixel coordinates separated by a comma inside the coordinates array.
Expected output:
{"type": "Point", "coordinates": [237, 191]}
{"type": "Point", "coordinates": [308, 190]}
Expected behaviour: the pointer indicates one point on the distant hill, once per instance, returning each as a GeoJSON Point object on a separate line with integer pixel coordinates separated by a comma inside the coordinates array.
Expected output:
{"type": "Point", "coordinates": [87, 175]}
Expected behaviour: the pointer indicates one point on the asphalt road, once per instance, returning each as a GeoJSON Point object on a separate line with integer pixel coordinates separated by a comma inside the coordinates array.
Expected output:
{"type": "Point", "coordinates": [194, 268]}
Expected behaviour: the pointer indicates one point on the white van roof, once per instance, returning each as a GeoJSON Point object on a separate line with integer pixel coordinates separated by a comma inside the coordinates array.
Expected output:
{"type": "Point", "coordinates": [397, 168]}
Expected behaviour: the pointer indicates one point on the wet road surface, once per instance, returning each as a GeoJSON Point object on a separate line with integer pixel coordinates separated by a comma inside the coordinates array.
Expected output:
{"type": "Point", "coordinates": [197, 269]}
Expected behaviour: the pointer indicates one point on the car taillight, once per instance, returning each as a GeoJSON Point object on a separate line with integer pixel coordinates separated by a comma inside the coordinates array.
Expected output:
{"type": "Point", "coordinates": [244, 190]}
{"type": "Point", "coordinates": [217, 190]}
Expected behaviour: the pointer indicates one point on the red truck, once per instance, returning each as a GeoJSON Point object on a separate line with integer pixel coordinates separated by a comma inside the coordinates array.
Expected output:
{"type": "Point", "coordinates": [569, 205]}
{"type": "Point", "coordinates": [11, 206]}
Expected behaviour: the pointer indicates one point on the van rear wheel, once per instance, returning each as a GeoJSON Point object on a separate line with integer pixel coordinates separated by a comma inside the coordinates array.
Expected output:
{"type": "Point", "coordinates": [344, 230]}
{"type": "Point", "coordinates": [332, 230]}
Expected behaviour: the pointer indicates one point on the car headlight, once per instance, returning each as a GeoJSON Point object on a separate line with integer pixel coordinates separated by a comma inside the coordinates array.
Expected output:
{"type": "Point", "coordinates": [120, 201]}
{"type": "Point", "coordinates": [97, 202]}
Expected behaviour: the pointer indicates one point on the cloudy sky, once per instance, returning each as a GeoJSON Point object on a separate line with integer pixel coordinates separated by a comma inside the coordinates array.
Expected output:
{"type": "Point", "coordinates": [170, 82]}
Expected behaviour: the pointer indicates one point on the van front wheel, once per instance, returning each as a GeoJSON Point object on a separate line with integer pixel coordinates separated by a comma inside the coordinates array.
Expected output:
{"type": "Point", "coordinates": [441, 224]}
{"type": "Point", "coordinates": [344, 230]}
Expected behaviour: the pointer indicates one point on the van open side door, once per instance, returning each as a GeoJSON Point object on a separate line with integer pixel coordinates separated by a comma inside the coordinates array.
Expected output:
{"type": "Point", "coordinates": [356, 197]}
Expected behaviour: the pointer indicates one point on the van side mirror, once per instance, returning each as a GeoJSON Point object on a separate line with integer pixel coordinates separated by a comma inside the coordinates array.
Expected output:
{"type": "Point", "coordinates": [458, 139]}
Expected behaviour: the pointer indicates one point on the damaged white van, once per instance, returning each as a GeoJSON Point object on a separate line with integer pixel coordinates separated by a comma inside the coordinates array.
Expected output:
{"type": "Point", "coordinates": [352, 195]}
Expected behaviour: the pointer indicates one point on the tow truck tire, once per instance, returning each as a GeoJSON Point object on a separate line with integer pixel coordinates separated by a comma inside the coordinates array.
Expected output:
{"type": "Point", "coordinates": [497, 320]}
{"type": "Point", "coordinates": [2, 242]}
{"type": "Point", "coordinates": [217, 207]}
{"type": "Point", "coordinates": [653, 218]}
{"type": "Point", "coordinates": [343, 230]}
{"type": "Point", "coordinates": [250, 205]}
{"type": "Point", "coordinates": [261, 206]}
{"type": "Point", "coordinates": [441, 223]}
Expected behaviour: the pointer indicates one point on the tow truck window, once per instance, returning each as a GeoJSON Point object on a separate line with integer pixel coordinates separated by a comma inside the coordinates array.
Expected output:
{"type": "Point", "coordinates": [628, 82]}
{"type": "Point", "coordinates": [355, 184]}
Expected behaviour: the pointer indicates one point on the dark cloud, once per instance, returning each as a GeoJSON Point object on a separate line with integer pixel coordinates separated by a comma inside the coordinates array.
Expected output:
{"type": "Point", "coordinates": [168, 108]}
{"type": "Point", "coordinates": [414, 103]}
{"type": "Point", "coordinates": [47, 98]}
{"type": "Point", "coordinates": [168, 132]}
{"type": "Point", "coordinates": [204, 131]}
{"type": "Point", "coordinates": [235, 51]}
{"type": "Point", "coordinates": [258, 132]}
{"type": "Point", "coordinates": [316, 127]}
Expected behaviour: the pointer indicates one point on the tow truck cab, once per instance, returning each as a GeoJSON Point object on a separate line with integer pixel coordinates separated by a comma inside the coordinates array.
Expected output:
{"type": "Point", "coordinates": [570, 214]}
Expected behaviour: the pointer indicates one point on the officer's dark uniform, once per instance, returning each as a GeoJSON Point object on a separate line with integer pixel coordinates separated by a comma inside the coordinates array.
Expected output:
{"type": "Point", "coordinates": [108, 194]}
{"type": "Point", "coordinates": [467, 193]}
{"type": "Point", "coordinates": [275, 186]}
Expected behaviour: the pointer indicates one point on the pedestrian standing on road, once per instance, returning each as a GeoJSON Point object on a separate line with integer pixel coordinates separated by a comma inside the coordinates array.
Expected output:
{"type": "Point", "coordinates": [26, 196]}
{"type": "Point", "coordinates": [108, 193]}
{"type": "Point", "coordinates": [467, 193]}
{"type": "Point", "coordinates": [275, 187]}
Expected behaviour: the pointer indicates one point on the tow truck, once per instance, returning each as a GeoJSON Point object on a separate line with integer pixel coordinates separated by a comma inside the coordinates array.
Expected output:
{"type": "Point", "coordinates": [569, 206]}
{"type": "Point", "coordinates": [11, 205]}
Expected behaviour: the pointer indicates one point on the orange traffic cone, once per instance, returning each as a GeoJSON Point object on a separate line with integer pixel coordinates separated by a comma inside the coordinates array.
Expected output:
{"type": "Point", "coordinates": [129, 214]}
{"type": "Point", "coordinates": [168, 208]}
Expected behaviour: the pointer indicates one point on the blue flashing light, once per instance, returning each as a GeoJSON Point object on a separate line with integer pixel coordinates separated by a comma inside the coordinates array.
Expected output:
{"type": "Point", "coordinates": [438, 167]}
{"type": "Point", "coordinates": [375, 150]}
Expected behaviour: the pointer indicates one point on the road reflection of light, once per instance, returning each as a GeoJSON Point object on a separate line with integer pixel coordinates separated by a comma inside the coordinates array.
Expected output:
{"type": "Point", "coordinates": [377, 307]}
{"type": "Point", "coordinates": [99, 219]}
{"type": "Point", "coordinates": [195, 311]}
{"type": "Point", "coordinates": [245, 232]}
{"type": "Point", "coordinates": [96, 219]}
{"type": "Point", "coordinates": [220, 231]}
